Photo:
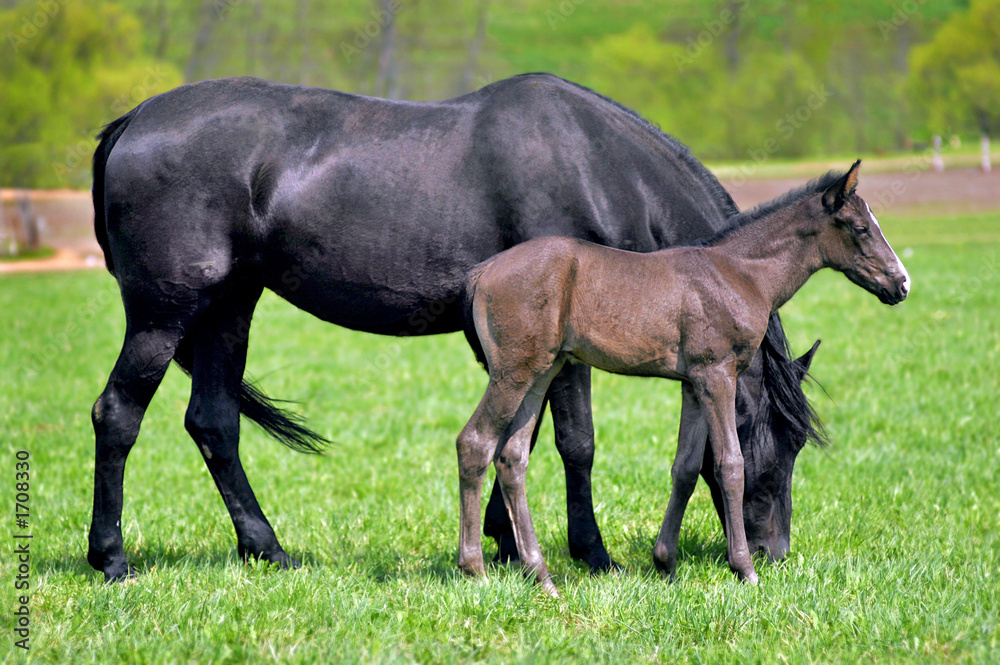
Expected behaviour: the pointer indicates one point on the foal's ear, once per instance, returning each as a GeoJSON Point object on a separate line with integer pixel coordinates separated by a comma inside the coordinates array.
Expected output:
{"type": "Point", "coordinates": [803, 363]}
{"type": "Point", "coordinates": [840, 191]}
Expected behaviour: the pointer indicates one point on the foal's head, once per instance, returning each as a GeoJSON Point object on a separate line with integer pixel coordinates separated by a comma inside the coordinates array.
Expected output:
{"type": "Point", "coordinates": [851, 241]}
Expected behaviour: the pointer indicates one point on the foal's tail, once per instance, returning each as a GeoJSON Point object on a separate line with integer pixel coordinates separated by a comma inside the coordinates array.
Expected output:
{"type": "Point", "coordinates": [468, 324]}
{"type": "Point", "coordinates": [107, 137]}
{"type": "Point", "coordinates": [283, 425]}
{"type": "Point", "coordinates": [782, 395]}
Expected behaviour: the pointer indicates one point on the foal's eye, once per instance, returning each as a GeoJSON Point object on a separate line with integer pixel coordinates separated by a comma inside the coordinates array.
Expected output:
{"type": "Point", "coordinates": [861, 230]}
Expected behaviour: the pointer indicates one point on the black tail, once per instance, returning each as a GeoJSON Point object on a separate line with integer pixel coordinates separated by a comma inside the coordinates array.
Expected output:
{"type": "Point", "coordinates": [254, 404]}
{"type": "Point", "coordinates": [782, 398]}
{"type": "Point", "coordinates": [107, 137]}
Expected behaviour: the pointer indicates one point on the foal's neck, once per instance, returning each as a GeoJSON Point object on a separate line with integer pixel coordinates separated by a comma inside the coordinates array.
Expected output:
{"type": "Point", "coordinates": [778, 251]}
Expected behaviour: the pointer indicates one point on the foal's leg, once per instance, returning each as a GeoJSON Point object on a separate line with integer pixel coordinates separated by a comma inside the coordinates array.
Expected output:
{"type": "Point", "coordinates": [476, 446]}
{"type": "Point", "coordinates": [117, 414]}
{"type": "Point", "coordinates": [684, 474]}
{"type": "Point", "coordinates": [496, 523]}
{"type": "Point", "coordinates": [213, 420]}
{"type": "Point", "coordinates": [512, 466]}
{"type": "Point", "coordinates": [715, 389]}
{"type": "Point", "coordinates": [569, 399]}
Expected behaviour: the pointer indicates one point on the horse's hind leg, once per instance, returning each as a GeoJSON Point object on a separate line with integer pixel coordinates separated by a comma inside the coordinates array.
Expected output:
{"type": "Point", "coordinates": [569, 399]}
{"type": "Point", "coordinates": [690, 455]}
{"type": "Point", "coordinates": [219, 345]}
{"type": "Point", "coordinates": [144, 358]}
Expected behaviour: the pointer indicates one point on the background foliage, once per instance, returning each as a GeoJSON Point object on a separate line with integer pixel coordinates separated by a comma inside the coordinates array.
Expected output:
{"type": "Point", "coordinates": [735, 79]}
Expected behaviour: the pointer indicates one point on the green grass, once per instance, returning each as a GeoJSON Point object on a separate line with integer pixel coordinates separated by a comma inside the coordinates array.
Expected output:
{"type": "Point", "coordinates": [895, 552]}
{"type": "Point", "coordinates": [41, 253]}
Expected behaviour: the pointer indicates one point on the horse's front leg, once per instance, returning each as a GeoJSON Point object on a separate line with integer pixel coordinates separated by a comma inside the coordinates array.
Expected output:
{"type": "Point", "coordinates": [569, 396]}
{"type": "Point", "coordinates": [715, 388]}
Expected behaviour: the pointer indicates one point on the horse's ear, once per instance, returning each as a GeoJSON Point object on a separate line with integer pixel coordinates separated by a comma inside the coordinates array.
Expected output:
{"type": "Point", "coordinates": [803, 363]}
{"type": "Point", "coordinates": [841, 190]}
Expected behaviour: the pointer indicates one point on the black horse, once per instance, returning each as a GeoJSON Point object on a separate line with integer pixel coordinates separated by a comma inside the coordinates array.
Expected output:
{"type": "Point", "coordinates": [369, 213]}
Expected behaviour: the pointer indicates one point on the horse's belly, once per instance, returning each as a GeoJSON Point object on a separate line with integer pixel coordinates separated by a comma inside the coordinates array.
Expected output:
{"type": "Point", "coordinates": [373, 307]}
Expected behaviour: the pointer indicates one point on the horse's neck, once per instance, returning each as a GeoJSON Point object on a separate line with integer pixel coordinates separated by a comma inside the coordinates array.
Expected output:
{"type": "Point", "coordinates": [773, 253]}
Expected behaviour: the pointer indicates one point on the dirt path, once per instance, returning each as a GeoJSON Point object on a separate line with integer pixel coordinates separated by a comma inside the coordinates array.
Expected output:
{"type": "Point", "coordinates": [69, 215]}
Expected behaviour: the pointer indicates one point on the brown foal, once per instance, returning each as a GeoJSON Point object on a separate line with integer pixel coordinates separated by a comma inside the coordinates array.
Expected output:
{"type": "Point", "coordinates": [693, 314]}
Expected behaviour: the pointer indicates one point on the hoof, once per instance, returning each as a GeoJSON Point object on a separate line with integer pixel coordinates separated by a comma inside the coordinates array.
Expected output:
{"type": "Point", "coordinates": [596, 557]}
{"type": "Point", "coordinates": [549, 588]}
{"type": "Point", "coordinates": [608, 566]}
{"type": "Point", "coordinates": [668, 569]}
{"type": "Point", "coordinates": [278, 558]}
{"type": "Point", "coordinates": [748, 576]}
{"type": "Point", "coordinates": [473, 571]}
{"type": "Point", "coordinates": [506, 551]}
{"type": "Point", "coordinates": [121, 575]}
{"type": "Point", "coordinates": [281, 561]}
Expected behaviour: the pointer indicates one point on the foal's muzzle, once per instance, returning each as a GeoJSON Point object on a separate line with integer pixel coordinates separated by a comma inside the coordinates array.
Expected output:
{"type": "Point", "coordinates": [897, 289]}
{"type": "Point", "coordinates": [891, 288]}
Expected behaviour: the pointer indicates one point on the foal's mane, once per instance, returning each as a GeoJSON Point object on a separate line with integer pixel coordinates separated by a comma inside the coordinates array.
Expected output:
{"type": "Point", "coordinates": [741, 219]}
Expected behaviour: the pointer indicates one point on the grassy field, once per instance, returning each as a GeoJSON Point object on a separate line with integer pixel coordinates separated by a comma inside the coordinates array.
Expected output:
{"type": "Point", "coordinates": [895, 551]}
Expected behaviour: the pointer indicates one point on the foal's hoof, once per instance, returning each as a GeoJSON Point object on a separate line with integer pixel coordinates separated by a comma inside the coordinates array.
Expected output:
{"type": "Point", "coordinates": [597, 559]}
{"type": "Point", "coordinates": [549, 588]}
{"type": "Point", "coordinates": [282, 561]}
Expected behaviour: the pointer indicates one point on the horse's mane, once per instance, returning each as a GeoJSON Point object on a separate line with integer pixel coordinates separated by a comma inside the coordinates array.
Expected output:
{"type": "Point", "coordinates": [741, 219]}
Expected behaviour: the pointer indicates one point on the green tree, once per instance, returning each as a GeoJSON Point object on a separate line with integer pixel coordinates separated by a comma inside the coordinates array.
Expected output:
{"type": "Point", "coordinates": [955, 78]}
{"type": "Point", "coordinates": [67, 69]}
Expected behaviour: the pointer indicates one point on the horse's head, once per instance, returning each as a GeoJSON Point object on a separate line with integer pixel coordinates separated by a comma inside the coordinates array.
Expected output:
{"type": "Point", "coordinates": [771, 443]}
{"type": "Point", "coordinates": [851, 241]}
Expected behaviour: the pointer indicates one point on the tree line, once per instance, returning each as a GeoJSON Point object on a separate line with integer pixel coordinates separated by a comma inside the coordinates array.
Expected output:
{"type": "Point", "coordinates": [744, 80]}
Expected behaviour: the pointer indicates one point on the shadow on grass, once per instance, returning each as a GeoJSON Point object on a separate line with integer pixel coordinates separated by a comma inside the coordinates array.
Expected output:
{"type": "Point", "coordinates": [383, 565]}
{"type": "Point", "coordinates": [153, 556]}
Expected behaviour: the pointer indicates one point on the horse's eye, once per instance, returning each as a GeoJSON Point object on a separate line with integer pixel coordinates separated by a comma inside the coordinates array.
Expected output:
{"type": "Point", "coordinates": [861, 230]}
